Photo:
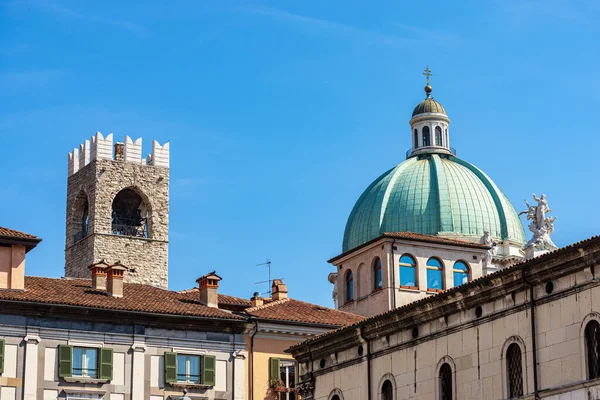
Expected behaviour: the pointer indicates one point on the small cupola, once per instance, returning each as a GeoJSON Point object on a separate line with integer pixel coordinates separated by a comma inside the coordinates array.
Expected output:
{"type": "Point", "coordinates": [429, 125]}
{"type": "Point", "coordinates": [209, 289]}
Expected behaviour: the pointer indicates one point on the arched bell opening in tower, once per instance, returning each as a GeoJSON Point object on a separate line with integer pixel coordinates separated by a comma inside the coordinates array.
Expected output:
{"type": "Point", "coordinates": [79, 224]}
{"type": "Point", "coordinates": [131, 215]}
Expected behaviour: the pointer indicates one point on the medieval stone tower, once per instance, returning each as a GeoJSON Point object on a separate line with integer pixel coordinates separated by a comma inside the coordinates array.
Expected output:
{"type": "Point", "coordinates": [118, 209]}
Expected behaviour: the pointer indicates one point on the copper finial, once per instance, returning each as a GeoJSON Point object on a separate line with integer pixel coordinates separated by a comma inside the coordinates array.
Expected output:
{"type": "Point", "coordinates": [427, 73]}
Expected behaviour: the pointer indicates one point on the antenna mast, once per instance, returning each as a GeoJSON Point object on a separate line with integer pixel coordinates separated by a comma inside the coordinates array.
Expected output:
{"type": "Point", "coordinates": [268, 264]}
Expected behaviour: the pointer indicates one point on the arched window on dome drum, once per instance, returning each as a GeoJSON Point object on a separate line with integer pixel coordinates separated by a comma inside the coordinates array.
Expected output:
{"type": "Point", "coordinates": [514, 367]}
{"type": "Point", "coordinates": [387, 391]}
{"type": "Point", "coordinates": [426, 138]}
{"type": "Point", "coordinates": [349, 286]}
{"type": "Point", "coordinates": [377, 274]}
{"type": "Point", "coordinates": [461, 273]}
{"type": "Point", "coordinates": [407, 272]}
{"type": "Point", "coordinates": [446, 138]}
{"type": "Point", "coordinates": [416, 139]}
{"type": "Point", "coordinates": [335, 397]}
{"type": "Point", "coordinates": [438, 136]}
{"type": "Point", "coordinates": [445, 382]}
{"type": "Point", "coordinates": [592, 347]}
{"type": "Point", "coordinates": [434, 274]}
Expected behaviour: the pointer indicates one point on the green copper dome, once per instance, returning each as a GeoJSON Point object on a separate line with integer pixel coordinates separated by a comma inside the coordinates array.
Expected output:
{"type": "Point", "coordinates": [428, 105]}
{"type": "Point", "coordinates": [434, 194]}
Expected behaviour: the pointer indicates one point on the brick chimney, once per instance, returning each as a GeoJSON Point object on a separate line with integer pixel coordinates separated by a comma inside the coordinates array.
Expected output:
{"type": "Point", "coordinates": [99, 274]}
{"type": "Point", "coordinates": [257, 300]}
{"type": "Point", "coordinates": [209, 289]}
{"type": "Point", "coordinates": [278, 290]}
{"type": "Point", "coordinates": [114, 279]}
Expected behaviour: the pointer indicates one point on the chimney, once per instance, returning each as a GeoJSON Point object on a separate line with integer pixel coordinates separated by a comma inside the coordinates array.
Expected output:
{"type": "Point", "coordinates": [99, 274]}
{"type": "Point", "coordinates": [209, 289]}
{"type": "Point", "coordinates": [278, 290]}
{"type": "Point", "coordinates": [13, 247]}
{"type": "Point", "coordinates": [257, 300]}
{"type": "Point", "coordinates": [114, 279]}
{"type": "Point", "coordinates": [119, 151]}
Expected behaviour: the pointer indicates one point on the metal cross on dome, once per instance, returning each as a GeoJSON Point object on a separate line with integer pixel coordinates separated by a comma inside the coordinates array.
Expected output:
{"type": "Point", "coordinates": [427, 73]}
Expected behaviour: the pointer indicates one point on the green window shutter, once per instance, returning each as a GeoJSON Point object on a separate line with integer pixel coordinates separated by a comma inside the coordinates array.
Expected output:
{"type": "Point", "coordinates": [65, 360]}
{"type": "Point", "coordinates": [105, 364]}
{"type": "Point", "coordinates": [1, 356]}
{"type": "Point", "coordinates": [170, 367]}
{"type": "Point", "coordinates": [209, 368]}
{"type": "Point", "coordinates": [274, 372]}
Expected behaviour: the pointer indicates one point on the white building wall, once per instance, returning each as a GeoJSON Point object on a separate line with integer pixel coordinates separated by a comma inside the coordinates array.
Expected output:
{"type": "Point", "coordinates": [476, 349]}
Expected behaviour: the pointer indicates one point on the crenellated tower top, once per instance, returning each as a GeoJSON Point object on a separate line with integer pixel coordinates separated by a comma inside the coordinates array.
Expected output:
{"type": "Point", "coordinates": [101, 148]}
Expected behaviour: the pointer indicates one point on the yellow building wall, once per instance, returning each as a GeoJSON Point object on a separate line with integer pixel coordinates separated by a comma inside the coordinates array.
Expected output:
{"type": "Point", "coordinates": [264, 349]}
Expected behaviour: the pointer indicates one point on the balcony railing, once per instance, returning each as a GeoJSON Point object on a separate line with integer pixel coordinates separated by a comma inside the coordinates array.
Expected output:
{"type": "Point", "coordinates": [130, 227]}
{"type": "Point", "coordinates": [410, 151]}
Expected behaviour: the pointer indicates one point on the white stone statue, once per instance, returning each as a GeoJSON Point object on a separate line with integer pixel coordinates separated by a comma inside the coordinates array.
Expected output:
{"type": "Point", "coordinates": [489, 255]}
{"type": "Point", "coordinates": [332, 278]}
{"type": "Point", "coordinates": [540, 225]}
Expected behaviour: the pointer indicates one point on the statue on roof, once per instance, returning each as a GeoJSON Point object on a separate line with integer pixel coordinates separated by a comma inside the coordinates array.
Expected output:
{"type": "Point", "coordinates": [488, 240]}
{"type": "Point", "coordinates": [541, 226]}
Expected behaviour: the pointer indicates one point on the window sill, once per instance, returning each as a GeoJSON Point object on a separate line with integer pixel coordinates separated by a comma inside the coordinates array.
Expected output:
{"type": "Point", "coordinates": [409, 287]}
{"type": "Point", "coordinates": [83, 379]}
{"type": "Point", "coordinates": [348, 302]}
{"type": "Point", "coordinates": [182, 385]}
{"type": "Point", "coordinates": [377, 290]}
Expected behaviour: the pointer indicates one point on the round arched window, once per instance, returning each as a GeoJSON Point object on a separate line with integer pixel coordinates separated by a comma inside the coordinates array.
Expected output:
{"type": "Point", "coordinates": [377, 274]}
{"type": "Point", "coordinates": [349, 286]}
{"type": "Point", "coordinates": [461, 273]}
{"type": "Point", "coordinates": [407, 272]}
{"type": "Point", "coordinates": [434, 274]}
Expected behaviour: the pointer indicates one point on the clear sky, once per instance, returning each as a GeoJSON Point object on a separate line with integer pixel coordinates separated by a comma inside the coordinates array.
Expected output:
{"type": "Point", "coordinates": [281, 113]}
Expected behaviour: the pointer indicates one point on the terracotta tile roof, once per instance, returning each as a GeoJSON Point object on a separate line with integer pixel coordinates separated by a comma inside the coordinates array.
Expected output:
{"type": "Point", "coordinates": [11, 233]}
{"type": "Point", "coordinates": [136, 298]}
{"type": "Point", "coordinates": [416, 237]}
{"type": "Point", "coordinates": [290, 310]}
{"type": "Point", "coordinates": [467, 288]}
{"type": "Point", "coordinates": [299, 311]}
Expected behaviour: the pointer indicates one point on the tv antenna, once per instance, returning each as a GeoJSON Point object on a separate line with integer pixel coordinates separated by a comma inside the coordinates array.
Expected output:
{"type": "Point", "coordinates": [268, 264]}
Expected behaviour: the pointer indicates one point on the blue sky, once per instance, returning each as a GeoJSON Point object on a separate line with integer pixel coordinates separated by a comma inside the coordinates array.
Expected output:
{"type": "Point", "coordinates": [280, 114]}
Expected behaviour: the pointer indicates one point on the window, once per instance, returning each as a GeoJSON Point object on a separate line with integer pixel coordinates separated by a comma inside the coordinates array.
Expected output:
{"type": "Point", "coordinates": [130, 214]}
{"type": "Point", "coordinates": [335, 397]}
{"type": "Point", "coordinates": [85, 362]}
{"type": "Point", "coordinates": [592, 347]}
{"type": "Point", "coordinates": [387, 391]}
{"type": "Point", "coordinates": [445, 382]}
{"type": "Point", "coordinates": [446, 138]}
{"type": "Point", "coordinates": [416, 139]}
{"type": "Point", "coordinates": [377, 275]}
{"type": "Point", "coordinates": [434, 274]}
{"type": "Point", "coordinates": [407, 271]}
{"type": "Point", "coordinates": [514, 371]}
{"type": "Point", "coordinates": [461, 273]}
{"type": "Point", "coordinates": [190, 369]}
{"type": "Point", "coordinates": [438, 136]}
{"type": "Point", "coordinates": [426, 139]}
{"type": "Point", "coordinates": [349, 286]}
{"type": "Point", "coordinates": [287, 373]}
{"type": "Point", "coordinates": [80, 218]}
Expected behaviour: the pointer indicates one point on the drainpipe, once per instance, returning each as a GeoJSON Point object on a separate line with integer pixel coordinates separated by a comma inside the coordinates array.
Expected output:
{"type": "Point", "coordinates": [368, 363]}
{"type": "Point", "coordinates": [251, 356]}
{"type": "Point", "coordinates": [393, 272]}
{"type": "Point", "coordinates": [233, 357]}
{"type": "Point", "coordinates": [533, 341]}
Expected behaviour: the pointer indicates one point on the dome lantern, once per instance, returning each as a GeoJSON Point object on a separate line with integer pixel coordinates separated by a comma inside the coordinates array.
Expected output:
{"type": "Point", "coordinates": [429, 125]}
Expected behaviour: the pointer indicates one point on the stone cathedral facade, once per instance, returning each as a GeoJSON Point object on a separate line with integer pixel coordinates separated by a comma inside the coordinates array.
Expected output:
{"type": "Point", "coordinates": [118, 209]}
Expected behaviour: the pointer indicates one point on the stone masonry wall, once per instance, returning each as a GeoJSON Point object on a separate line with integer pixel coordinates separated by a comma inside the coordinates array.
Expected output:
{"type": "Point", "coordinates": [101, 181]}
